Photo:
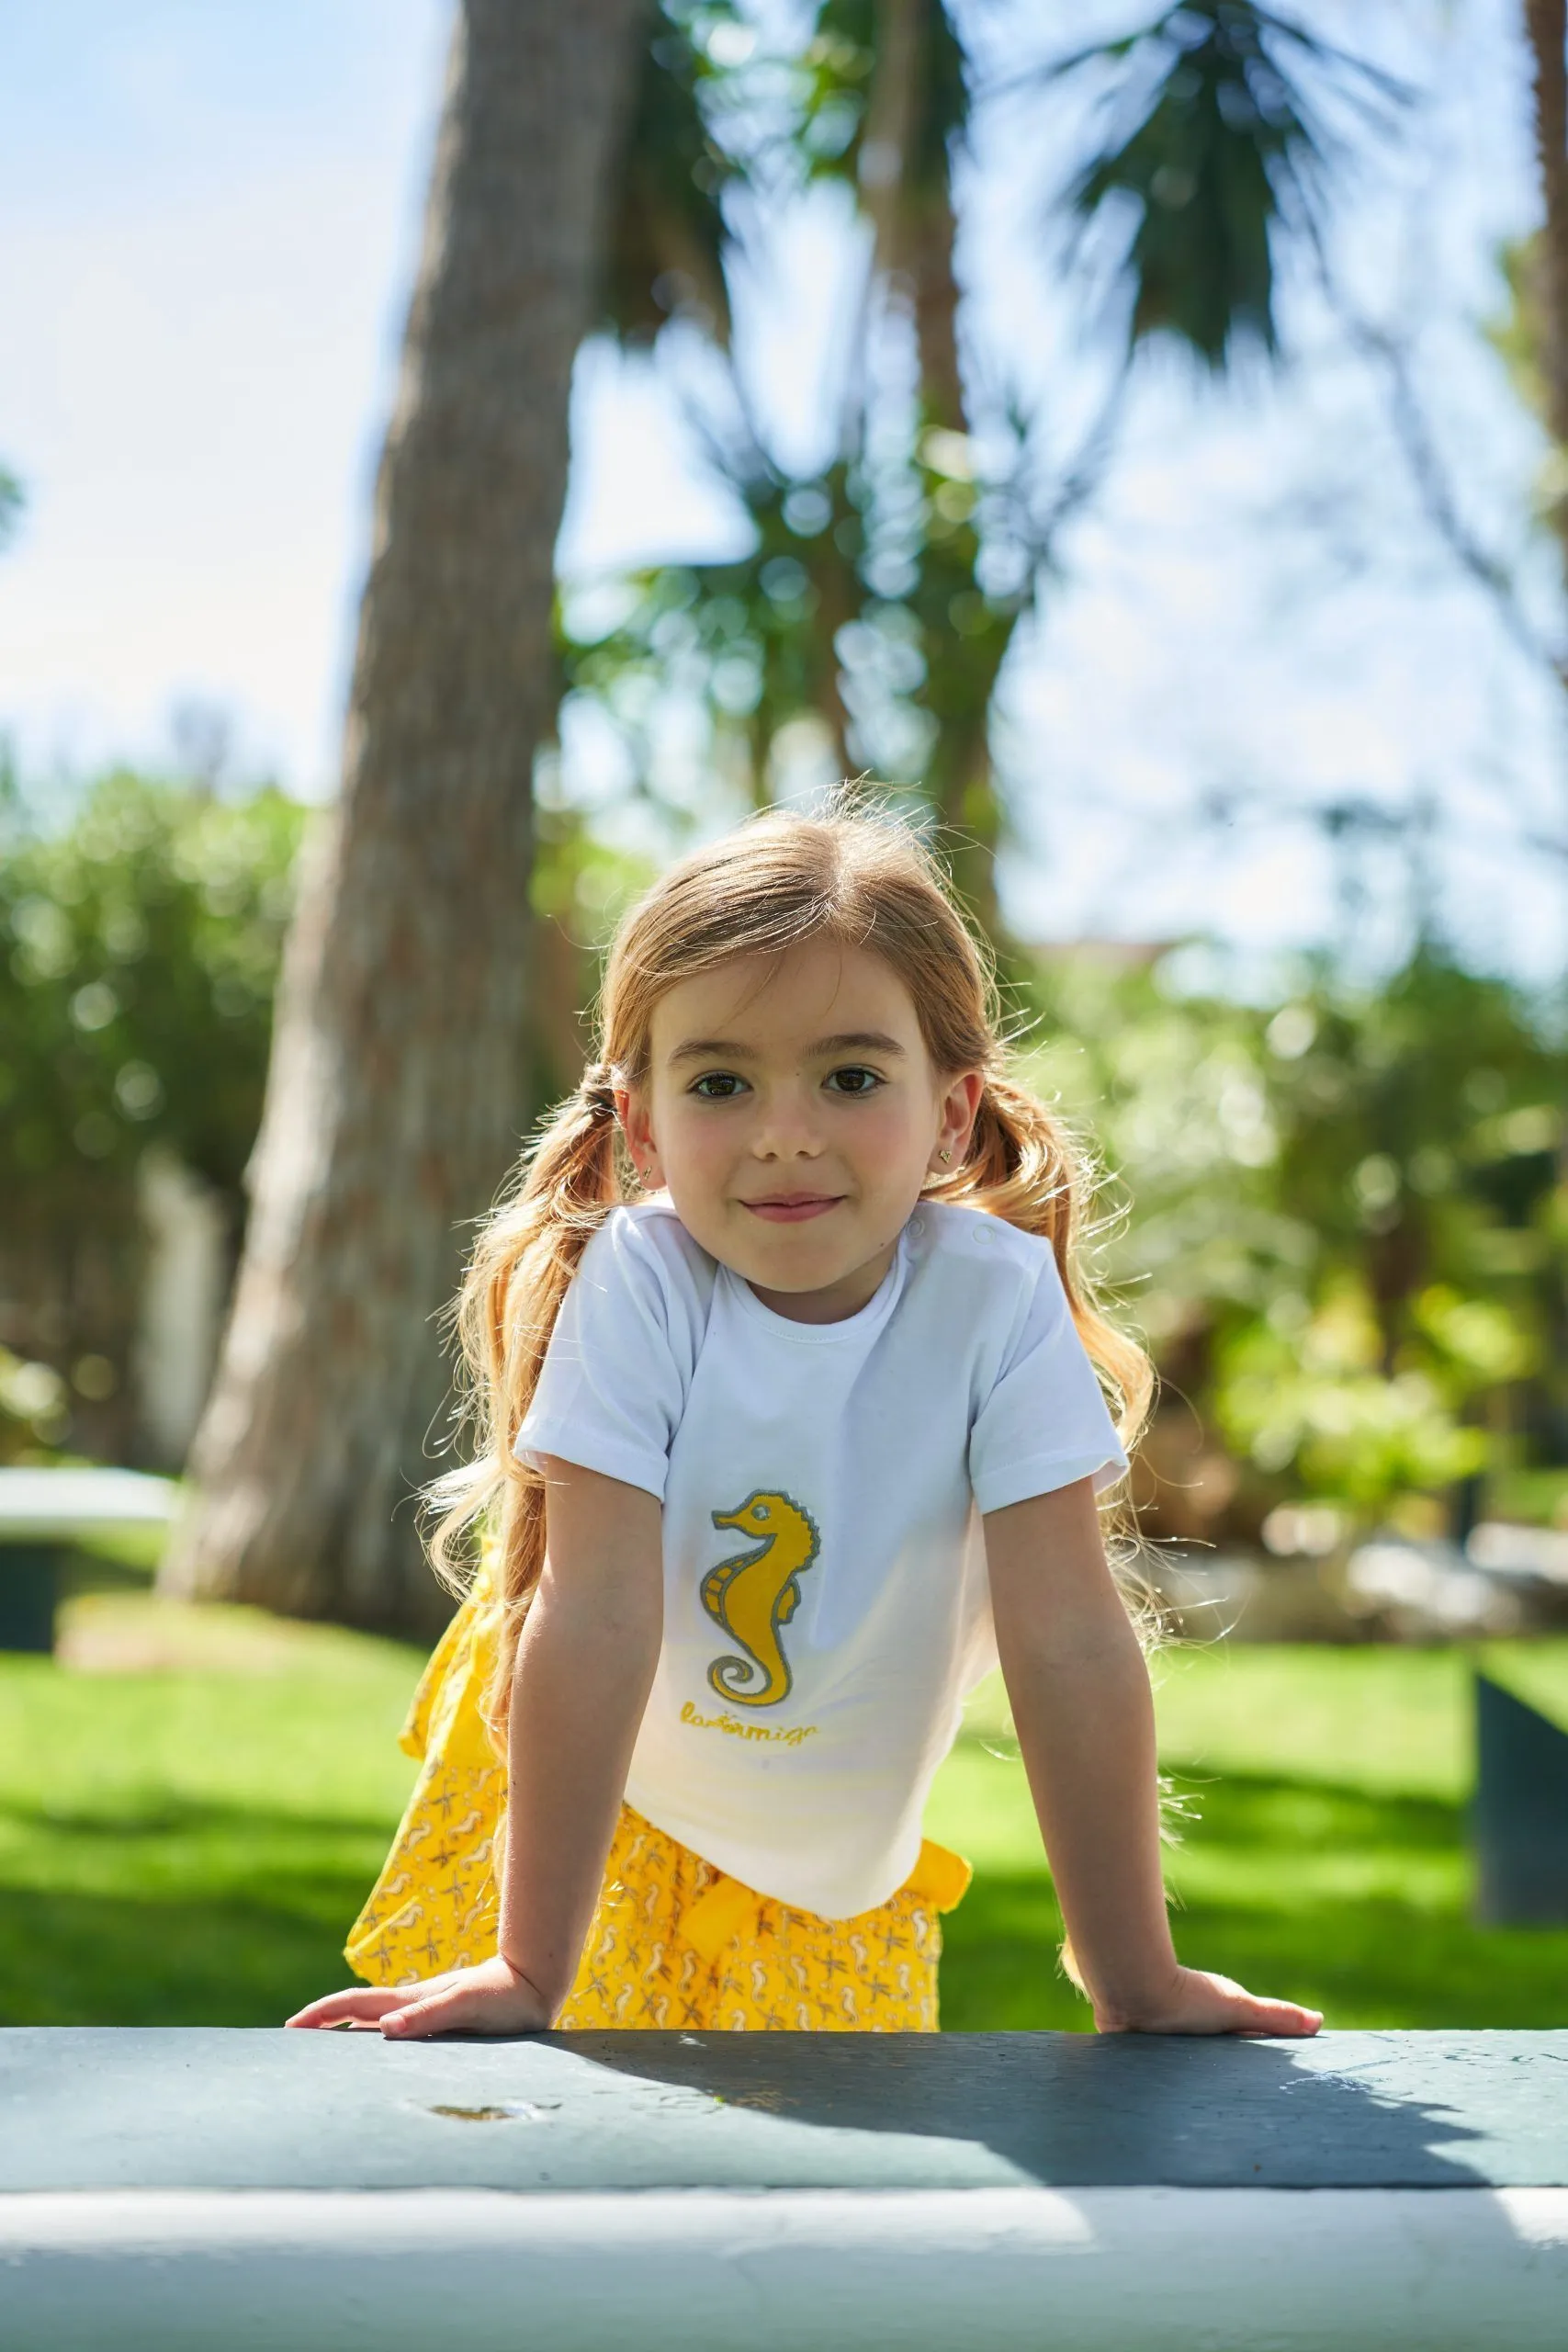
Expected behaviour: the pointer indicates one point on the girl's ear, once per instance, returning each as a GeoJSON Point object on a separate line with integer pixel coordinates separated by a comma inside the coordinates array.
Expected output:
{"type": "Point", "coordinates": [960, 1107]}
{"type": "Point", "coordinates": [631, 1109]}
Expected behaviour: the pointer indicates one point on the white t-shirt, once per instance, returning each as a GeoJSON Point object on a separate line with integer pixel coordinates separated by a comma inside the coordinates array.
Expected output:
{"type": "Point", "coordinates": [826, 1607]}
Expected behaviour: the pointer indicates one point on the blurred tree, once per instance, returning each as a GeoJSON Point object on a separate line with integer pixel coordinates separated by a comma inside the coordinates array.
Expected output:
{"type": "Point", "coordinates": [666, 233]}
{"type": "Point", "coordinates": [1546, 27]}
{"type": "Point", "coordinates": [396, 1092]}
{"type": "Point", "coordinates": [140, 952]}
{"type": "Point", "coordinates": [1214, 151]}
{"type": "Point", "coordinates": [880, 598]}
{"type": "Point", "coordinates": [1531, 336]}
{"type": "Point", "coordinates": [1349, 1231]}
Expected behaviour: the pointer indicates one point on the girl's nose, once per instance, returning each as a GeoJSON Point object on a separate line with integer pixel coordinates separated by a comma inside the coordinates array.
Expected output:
{"type": "Point", "coordinates": [786, 1131]}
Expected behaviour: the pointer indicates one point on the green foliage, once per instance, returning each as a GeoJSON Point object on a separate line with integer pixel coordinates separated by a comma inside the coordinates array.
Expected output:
{"type": "Point", "coordinates": [859, 610]}
{"type": "Point", "coordinates": [832, 84]}
{"type": "Point", "coordinates": [1213, 149]}
{"type": "Point", "coordinates": [579, 887]}
{"type": "Point", "coordinates": [1518, 333]}
{"type": "Point", "coordinates": [141, 947]}
{"type": "Point", "coordinates": [751, 642]}
{"type": "Point", "coordinates": [138, 950]}
{"type": "Point", "coordinates": [1316, 1402]}
{"type": "Point", "coordinates": [871, 618]}
{"type": "Point", "coordinates": [664, 240]}
{"type": "Point", "coordinates": [1349, 1237]}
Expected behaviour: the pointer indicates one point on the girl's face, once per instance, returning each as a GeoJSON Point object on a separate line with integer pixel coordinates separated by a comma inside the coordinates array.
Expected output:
{"type": "Point", "coordinates": [792, 1113]}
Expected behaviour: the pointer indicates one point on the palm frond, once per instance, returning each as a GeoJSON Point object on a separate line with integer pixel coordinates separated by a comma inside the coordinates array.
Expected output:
{"type": "Point", "coordinates": [1218, 151]}
{"type": "Point", "coordinates": [664, 247]}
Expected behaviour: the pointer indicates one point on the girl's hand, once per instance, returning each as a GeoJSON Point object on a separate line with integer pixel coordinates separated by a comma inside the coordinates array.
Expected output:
{"type": "Point", "coordinates": [494, 1997]}
{"type": "Point", "coordinates": [1198, 2003]}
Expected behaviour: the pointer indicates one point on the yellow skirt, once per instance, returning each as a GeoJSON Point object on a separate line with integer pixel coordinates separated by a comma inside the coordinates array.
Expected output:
{"type": "Point", "coordinates": [674, 1942]}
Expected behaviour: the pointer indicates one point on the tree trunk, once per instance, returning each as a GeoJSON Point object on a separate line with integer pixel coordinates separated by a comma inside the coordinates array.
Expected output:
{"type": "Point", "coordinates": [892, 118]}
{"type": "Point", "coordinates": [906, 195]}
{"type": "Point", "coordinates": [1545, 23]}
{"type": "Point", "coordinates": [912, 217]}
{"type": "Point", "coordinates": [396, 1092]}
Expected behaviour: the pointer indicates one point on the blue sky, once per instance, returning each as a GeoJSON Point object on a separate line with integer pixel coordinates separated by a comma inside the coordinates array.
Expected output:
{"type": "Point", "coordinates": [210, 216]}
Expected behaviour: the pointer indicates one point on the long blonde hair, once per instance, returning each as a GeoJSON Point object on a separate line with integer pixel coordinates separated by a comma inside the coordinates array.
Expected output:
{"type": "Point", "coordinates": [860, 878]}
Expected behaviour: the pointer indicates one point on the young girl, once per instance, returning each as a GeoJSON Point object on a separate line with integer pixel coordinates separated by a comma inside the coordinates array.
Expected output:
{"type": "Point", "coordinates": [779, 1456]}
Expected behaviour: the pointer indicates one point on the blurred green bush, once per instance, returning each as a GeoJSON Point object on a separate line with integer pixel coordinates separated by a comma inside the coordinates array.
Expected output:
{"type": "Point", "coordinates": [1345, 1233]}
{"type": "Point", "coordinates": [138, 951]}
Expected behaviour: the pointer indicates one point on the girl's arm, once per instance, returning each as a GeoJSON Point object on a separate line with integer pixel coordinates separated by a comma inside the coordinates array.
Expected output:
{"type": "Point", "coordinates": [1080, 1701]}
{"type": "Point", "coordinates": [585, 1664]}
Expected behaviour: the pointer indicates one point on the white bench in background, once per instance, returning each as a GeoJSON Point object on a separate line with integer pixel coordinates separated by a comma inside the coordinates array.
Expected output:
{"type": "Point", "coordinates": [43, 1513]}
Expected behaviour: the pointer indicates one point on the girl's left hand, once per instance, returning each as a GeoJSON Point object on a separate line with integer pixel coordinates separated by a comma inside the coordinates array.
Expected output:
{"type": "Point", "coordinates": [1198, 2003]}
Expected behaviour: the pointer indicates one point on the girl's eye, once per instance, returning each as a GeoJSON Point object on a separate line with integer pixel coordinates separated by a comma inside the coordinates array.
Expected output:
{"type": "Point", "coordinates": [718, 1086]}
{"type": "Point", "coordinates": [854, 1081]}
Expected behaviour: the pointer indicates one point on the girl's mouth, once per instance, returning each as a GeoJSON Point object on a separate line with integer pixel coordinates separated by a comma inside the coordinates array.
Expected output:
{"type": "Point", "coordinates": [793, 1208]}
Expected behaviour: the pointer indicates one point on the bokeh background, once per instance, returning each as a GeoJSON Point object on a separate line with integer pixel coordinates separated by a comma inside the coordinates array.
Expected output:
{"type": "Point", "coordinates": [1134, 436]}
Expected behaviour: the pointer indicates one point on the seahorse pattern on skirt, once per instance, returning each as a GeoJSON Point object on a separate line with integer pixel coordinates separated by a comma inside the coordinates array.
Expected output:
{"type": "Point", "coordinates": [674, 1942]}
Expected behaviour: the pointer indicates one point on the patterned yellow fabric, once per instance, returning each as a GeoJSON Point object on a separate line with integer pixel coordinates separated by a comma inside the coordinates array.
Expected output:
{"type": "Point", "coordinates": [434, 1905]}
{"type": "Point", "coordinates": [674, 1942]}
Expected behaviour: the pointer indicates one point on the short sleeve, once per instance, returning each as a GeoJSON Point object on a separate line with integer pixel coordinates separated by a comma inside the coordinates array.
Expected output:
{"type": "Point", "coordinates": [1045, 1422]}
{"type": "Point", "coordinates": [619, 1363]}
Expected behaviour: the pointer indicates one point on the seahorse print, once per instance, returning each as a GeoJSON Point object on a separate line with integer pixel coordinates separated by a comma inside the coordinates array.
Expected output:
{"type": "Point", "coordinates": [755, 1594]}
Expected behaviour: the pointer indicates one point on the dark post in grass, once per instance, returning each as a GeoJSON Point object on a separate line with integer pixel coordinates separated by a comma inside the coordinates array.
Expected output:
{"type": "Point", "coordinates": [30, 1592]}
{"type": "Point", "coordinates": [1520, 1815]}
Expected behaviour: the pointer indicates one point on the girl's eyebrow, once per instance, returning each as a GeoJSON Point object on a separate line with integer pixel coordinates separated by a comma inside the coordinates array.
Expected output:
{"type": "Point", "coordinates": [863, 1040]}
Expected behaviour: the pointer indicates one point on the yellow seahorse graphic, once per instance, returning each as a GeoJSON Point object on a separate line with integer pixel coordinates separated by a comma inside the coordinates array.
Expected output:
{"type": "Point", "coordinates": [754, 1594]}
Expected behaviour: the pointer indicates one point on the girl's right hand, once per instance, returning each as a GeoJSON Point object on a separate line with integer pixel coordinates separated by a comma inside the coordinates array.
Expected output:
{"type": "Point", "coordinates": [493, 1998]}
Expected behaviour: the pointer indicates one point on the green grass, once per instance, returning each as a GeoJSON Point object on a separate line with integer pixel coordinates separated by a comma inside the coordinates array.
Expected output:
{"type": "Point", "coordinates": [186, 1843]}
{"type": "Point", "coordinates": [1322, 1844]}
{"type": "Point", "coordinates": [187, 1848]}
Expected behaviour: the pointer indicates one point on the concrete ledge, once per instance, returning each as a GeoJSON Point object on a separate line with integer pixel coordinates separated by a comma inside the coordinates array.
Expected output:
{"type": "Point", "coordinates": [176, 2192]}
{"type": "Point", "coordinates": [87, 2108]}
{"type": "Point", "coordinates": [1088, 2270]}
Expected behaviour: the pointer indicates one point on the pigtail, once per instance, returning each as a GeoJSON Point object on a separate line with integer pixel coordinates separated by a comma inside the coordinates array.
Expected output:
{"type": "Point", "coordinates": [1024, 1166]}
{"type": "Point", "coordinates": [527, 1251]}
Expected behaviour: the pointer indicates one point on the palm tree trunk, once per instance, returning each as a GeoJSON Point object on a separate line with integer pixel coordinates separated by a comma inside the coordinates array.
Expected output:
{"type": "Point", "coordinates": [914, 229]}
{"type": "Point", "coordinates": [1548, 31]}
{"type": "Point", "coordinates": [892, 118]}
{"type": "Point", "coordinates": [396, 1092]}
{"type": "Point", "coordinates": [910, 208]}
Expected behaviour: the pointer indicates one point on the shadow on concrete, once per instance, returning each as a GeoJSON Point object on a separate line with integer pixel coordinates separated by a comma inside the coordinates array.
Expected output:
{"type": "Point", "coordinates": [1066, 2109]}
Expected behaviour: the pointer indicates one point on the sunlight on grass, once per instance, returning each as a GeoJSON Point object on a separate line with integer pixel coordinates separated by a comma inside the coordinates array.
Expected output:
{"type": "Point", "coordinates": [188, 1845]}
{"type": "Point", "coordinates": [1321, 1849]}
{"type": "Point", "coordinates": [191, 1813]}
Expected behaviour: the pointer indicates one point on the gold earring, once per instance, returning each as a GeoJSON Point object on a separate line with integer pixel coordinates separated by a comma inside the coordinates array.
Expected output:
{"type": "Point", "coordinates": [945, 1156]}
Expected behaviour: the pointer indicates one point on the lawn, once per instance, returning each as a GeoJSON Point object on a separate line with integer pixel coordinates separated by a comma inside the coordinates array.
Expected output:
{"type": "Point", "coordinates": [183, 1840]}
{"type": "Point", "coordinates": [1321, 1854]}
